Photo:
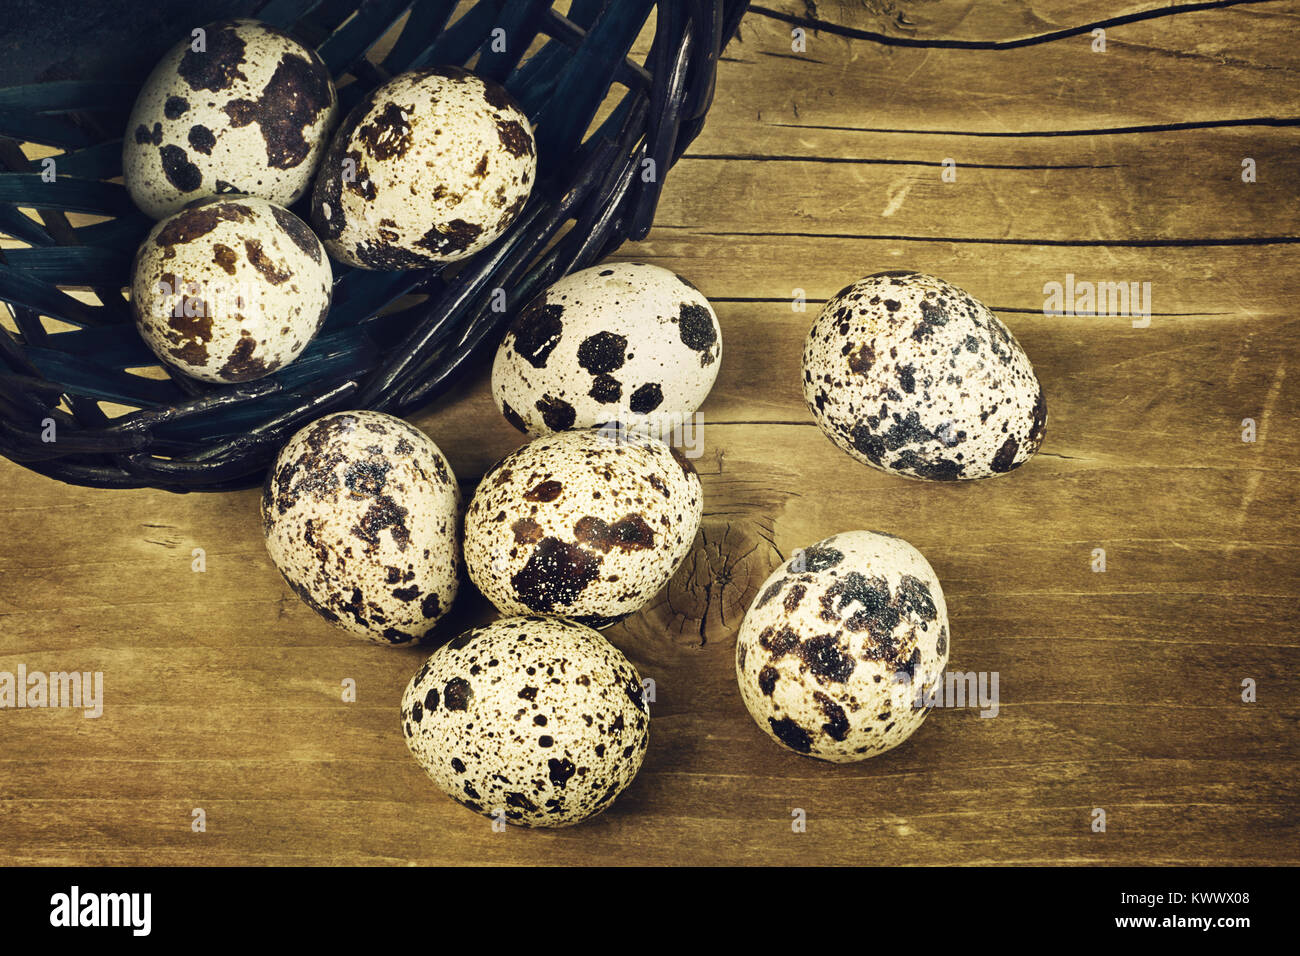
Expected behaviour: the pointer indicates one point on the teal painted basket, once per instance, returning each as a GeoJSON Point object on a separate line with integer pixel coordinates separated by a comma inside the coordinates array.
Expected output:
{"type": "Point", "coordinates": [185, 435]}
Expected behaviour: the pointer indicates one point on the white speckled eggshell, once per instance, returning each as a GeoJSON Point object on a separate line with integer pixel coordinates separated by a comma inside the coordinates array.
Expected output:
{"type": "Point", "coordinates": [360, 512]}
{"type": "Point", "coordinates": [230, 289]}
{"type": "Point", "coordinates": [840, 643]}
{"type": "Point", "coordinates": [251, 113]}
{"type": "Point", "coordinates": [913, 376]}
{"type": "Point", "coordinates": [429, 168]}
{"type": "Point", "coordinates": [538, 719]}
{"type": "Point", "coordinates": [623, 342]}
{"type": "Point", "coordinates": [583, 524]}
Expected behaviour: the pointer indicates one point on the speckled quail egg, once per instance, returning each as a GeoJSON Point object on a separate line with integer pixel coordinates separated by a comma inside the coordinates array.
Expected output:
{"type": "Point", "coordinates": [237, 107]}
{"type": "Point", "coordinates": [843, 645]}
{"type": "Point", "coordinates": [913, 376]}
{"type": "Point", "coordinates": [539, 721]}
{"type": "Point", "coordinates": [230, 289]}
{"type": "Point", "coordinates": [624, 342]}
{"type": "Point", "coordinates": [582, 524]}
{"type": "Point", "coordinates": [429, 168]}
{"type": "Point", "coordinates": [360, 512]}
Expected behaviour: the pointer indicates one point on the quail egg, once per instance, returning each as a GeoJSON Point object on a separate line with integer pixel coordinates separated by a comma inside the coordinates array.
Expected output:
{"type": "Point", "coordinates": [843, 646]}
{"type": "Point", "coordinates": [582, 524]}
{"type": "Point", "coordinates": [230, 289]}
{"type": "Point", "coordinates": [237, 107]}
{"type": "Point", "coordinates": [537, 721]}
{"type": "Point", "coordinates": [360, 513]}
{"type": "Point", "coordinates": [623, 342]}
{"type": "Point", "coordinates": [429, 168]}
{"type": "Point", "coordinates": [911, 375]}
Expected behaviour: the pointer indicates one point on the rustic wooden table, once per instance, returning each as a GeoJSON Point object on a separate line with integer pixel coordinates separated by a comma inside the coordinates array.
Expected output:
{"type": "Point", "coordinates": [1121, 690]}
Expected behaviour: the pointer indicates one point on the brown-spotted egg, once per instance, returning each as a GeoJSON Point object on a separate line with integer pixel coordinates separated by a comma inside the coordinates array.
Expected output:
{"type": "Point", "coordinates": [237, 107]}
{"type": "Point", "coordinates": [429, 168]}
{"type": "Point", "coordinates": [622, 342]}
{"type": "Point", "coordinates": [913, 376]}
{"type": "Point", "coordinates": [841, 645]}
{"type": "Point", "coordinates": [582, 524]}
{"type": "Point", "coordinates": [360, 514]}
{"type": "Point", "coordinates": [230, 288]}
{"type": "Point", "coordinates": [538, 721]}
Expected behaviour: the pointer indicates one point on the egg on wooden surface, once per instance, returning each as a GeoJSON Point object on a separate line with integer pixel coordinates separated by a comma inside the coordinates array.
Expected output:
{"type": "Point", "coordinates": [622, 342]}
{"type": "Point", "coordinates": [360, 513]}
{"type": "Point", "coordinates": [913, 376]}
{"type": "Point", "coordinates": [239, 107]}
{"type": "Point", "coordinates": [841, 643]}
{"type": "Point", "coordinates": [230, 288]}
{"type": "Point", "coordinates": [582, 524]}
{"type": "Point", "coordinates": [540, 720]}
{"type": "Point", "coordinates": [429, 168]}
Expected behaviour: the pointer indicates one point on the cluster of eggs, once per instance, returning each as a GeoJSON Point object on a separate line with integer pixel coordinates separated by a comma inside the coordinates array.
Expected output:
{"type": "Point", "coordinates": [537, 717]}
{"type": "Point", "coordinates": [236, 124]}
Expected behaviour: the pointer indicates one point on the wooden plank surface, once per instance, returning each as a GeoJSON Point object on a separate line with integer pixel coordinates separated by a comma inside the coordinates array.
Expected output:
{"type": "Point", "coordinates": [1119, 690]}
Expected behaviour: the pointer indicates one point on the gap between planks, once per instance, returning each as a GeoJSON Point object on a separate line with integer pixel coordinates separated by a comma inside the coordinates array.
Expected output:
{"type": "Point", "coordinates": [855, 33]}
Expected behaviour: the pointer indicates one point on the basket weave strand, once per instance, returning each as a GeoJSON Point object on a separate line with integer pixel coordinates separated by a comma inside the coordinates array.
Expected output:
{"type": "Point", "coordinates": [184, 435]}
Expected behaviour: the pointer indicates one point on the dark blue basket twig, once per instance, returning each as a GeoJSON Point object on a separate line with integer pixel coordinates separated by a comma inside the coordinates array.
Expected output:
{"type": "Point", "coordinates": [186, 435]}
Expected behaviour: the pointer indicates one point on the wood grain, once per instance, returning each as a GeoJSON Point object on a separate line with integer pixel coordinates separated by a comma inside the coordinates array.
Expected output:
{"type": "Point", "coordinates": [1119, 690]}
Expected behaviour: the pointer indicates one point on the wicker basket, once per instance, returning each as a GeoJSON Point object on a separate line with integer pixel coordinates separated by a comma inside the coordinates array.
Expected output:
{"type": "Point", "coordinates": [184, 435]}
